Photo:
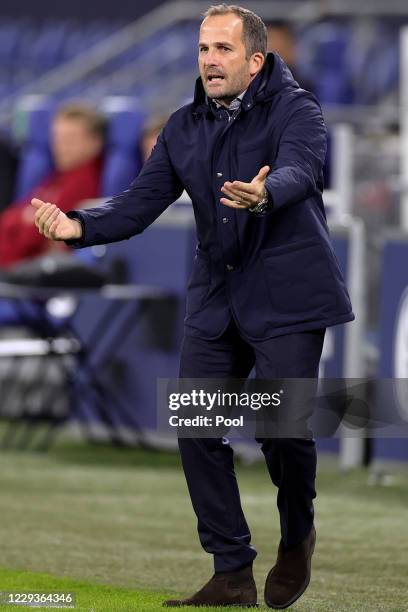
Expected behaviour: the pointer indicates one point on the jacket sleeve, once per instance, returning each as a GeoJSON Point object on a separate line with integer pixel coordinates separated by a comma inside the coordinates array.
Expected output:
{"type": "Point", "coordinates": [296, 173]}
{"type": "Point", "coordinates": [133, 210]}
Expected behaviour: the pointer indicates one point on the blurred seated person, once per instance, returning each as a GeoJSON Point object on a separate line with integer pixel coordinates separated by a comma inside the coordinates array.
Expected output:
{"type": "Point", "coordinates": [77, 140]}
{"type": "Point", "coordinates": [150, 133]}
{"type": "Point", "coordinates": [281, 40]}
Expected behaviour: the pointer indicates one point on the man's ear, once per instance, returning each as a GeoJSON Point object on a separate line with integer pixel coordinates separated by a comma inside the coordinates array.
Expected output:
{"type": "Point", "coordinates": [256, 63]}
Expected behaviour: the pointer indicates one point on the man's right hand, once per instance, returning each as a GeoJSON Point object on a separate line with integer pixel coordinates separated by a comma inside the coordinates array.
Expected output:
{"type": "Point", "coordinates": [53, 223]}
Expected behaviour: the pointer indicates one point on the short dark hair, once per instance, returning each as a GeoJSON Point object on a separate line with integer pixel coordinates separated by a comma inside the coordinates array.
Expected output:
{"type": "Point", "coordinates": [94, 120]}
{"type": "Point", "coordinates": [254, 31]}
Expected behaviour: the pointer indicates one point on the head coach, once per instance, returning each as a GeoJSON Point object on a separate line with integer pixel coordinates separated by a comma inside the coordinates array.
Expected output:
{"type": "Point", "coordinates": [249, 151]}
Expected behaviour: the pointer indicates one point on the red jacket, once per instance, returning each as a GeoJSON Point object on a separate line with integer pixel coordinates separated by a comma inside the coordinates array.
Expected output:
{"type": "Point", "coordinates": [19, 238]}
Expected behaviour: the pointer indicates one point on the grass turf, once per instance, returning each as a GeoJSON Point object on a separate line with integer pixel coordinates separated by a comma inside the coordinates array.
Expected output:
{"type": "Point", "coordinates": [89, 597]}
{"type": "Point", "coordinates": [116, 527]}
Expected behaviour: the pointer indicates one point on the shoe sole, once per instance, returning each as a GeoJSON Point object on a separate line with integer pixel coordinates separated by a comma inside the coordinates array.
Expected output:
{"type": "Point", "coordinates": [290, 602]}
{"type": "Point", "coordinates": [298, 594]}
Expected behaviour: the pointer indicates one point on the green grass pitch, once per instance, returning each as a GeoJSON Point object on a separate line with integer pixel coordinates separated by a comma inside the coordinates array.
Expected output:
{"type": "Point", "coordinates": [116, 527]}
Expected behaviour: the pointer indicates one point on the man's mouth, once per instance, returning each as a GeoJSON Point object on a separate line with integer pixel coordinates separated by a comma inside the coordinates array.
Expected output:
{"type": "Point", "coordinates": [215, 78]}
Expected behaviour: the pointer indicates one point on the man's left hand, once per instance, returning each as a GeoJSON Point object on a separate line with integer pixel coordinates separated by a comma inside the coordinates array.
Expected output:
{"type": "Point", "coordinates": [245, 195]}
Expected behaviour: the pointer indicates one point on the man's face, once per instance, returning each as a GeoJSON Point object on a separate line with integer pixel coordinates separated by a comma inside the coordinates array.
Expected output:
{"type": "Point", "coordinates": [72, 143]}
{"type": "Point", "coordinates": [224, 68]}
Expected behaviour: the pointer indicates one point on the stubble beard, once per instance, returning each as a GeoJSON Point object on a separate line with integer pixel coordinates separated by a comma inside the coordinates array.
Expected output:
{"type": "Point", "coordinates": [238, 85]}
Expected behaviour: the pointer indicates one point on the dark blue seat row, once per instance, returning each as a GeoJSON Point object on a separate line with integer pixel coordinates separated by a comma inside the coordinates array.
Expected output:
{"type": "Point", "coordinates": [50, 41]}
{"type": "Point", "coordinates": [345, 65]}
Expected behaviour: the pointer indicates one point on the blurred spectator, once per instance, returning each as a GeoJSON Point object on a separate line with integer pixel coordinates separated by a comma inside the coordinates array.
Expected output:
{"type": "Point", "coordinates": [150, 133]}
{"type": "Point", "coordinates": [77, 139]}
{"type": "Point", "coordinates": [8, 168]}
{"type": "Point", "coordinates": [281, 40]}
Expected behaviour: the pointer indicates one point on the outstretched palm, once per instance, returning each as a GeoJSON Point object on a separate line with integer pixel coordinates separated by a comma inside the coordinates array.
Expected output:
{"type": "Point", "coordinates": [245, 195]}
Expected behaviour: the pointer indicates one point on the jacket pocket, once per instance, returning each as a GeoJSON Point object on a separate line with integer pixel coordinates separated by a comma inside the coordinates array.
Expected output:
{"type": "Point", "coordinates": [299, 279]}
{"type": "Point", "coordinates": [199, 284]}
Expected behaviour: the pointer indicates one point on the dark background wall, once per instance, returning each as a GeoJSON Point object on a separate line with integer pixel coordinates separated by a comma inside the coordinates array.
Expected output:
{"type": "Point", "coordinates": [88, 9]}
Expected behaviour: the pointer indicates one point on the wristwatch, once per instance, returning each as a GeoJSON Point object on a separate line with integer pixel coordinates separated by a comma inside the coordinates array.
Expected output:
{"type": "Point", "coordinates": [262, 206]}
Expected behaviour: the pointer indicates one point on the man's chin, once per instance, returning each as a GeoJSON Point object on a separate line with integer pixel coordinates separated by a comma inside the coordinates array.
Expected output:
{"type": "Point", "coordinates": [216, 91]}
{"type": "Point", "coordinates": [221, 96]}
{"type": "Point", "coordinates": [215, 95]}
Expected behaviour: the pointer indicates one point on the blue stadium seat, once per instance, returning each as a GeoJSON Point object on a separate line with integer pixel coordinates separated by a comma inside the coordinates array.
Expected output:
{"type": "Point", "coordinates": [10, 36]}
{"type": "Point", "coordinates": [46, 51]}
{"type": "Point", "coordinates": [334, 88]}
{"type": "Point", "coordinates": [377, 72]}
{"type": "Point", "coordinates": [36, 162]}
{"type": "Point", "coordinates": [122, 157]}
{"type": "Point", "coordinates": [334, 83]}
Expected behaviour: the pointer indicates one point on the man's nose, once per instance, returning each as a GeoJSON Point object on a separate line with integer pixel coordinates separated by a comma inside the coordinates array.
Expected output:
{"type": "Point", "coordinates": [211, 59]}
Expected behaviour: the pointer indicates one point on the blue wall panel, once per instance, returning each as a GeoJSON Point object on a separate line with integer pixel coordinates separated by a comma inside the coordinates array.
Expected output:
{"type": "Point", "coordinates": [393, 331]}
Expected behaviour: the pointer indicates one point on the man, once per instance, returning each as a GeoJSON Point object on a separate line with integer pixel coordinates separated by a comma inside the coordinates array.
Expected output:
{"type": "Point", "coordinates": [282, 40]}
{"type": "Point", "coordinates": [150, 135]}
{"type": "Point", "coordinates": [249, 151]}
{"type": "Point", "coordinates": [77, 140]}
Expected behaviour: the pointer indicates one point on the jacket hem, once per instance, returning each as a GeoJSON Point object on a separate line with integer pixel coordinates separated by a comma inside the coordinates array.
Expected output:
{"type": "Point", "coordinates": [279, 331]}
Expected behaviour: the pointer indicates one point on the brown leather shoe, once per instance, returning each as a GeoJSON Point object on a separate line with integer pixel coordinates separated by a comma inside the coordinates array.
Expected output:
{"type": "Point", "coordinates": [290, 576]}
{"type": "Point", "coordinates": [224, 589]}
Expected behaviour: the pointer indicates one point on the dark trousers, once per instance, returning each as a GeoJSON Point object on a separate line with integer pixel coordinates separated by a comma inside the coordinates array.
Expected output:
{"type": "Point", "coordinates": [208, 462]}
